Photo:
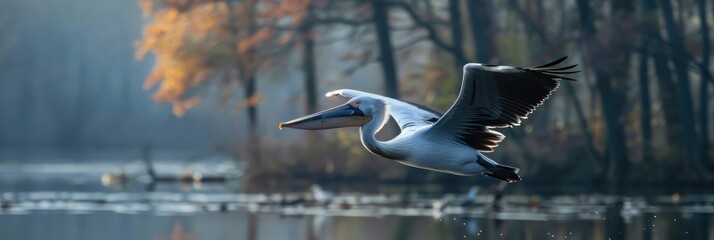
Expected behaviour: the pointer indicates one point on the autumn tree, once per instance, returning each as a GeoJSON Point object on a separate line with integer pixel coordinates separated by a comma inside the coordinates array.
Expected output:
{"type": "Point", "coordinates": [198, 41]}
{"type": "Point", "coordinates": [300, 31]}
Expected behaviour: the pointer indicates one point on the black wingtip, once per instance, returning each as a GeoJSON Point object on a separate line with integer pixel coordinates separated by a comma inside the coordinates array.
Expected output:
{"type": "Point", "coordinates": [556, 62]}
{"type": "Point", "coordinates": [561, 72]}
{"type": "Point", "coordinates": [563, 68]}
{"type": "Point", "coordinates": [552, 71]}
{"type": "Point", "coordinates": [559, 76]}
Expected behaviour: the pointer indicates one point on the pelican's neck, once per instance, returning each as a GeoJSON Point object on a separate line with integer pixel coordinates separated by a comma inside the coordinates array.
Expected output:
{"type": "Point", "coordinates": [367, 136]}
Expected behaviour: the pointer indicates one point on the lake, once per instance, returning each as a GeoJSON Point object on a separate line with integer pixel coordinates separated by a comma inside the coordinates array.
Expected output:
{"type": "Point", "coordinates": [75, 201]}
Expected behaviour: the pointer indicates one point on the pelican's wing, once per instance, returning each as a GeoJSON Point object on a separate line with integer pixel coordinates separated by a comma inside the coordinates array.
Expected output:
{"type": "Point", "coordinates": [406, 114]}
{"type": "Point", "coordinates": [497, 96]}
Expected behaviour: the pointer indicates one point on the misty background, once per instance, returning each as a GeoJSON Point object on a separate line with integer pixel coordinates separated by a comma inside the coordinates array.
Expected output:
{"type": "Point", "coordinates": [194, 76]}
{"type": "Point", "coordinates": [82, 76]}
{"type": "Point", "coordinates": [158, 119]}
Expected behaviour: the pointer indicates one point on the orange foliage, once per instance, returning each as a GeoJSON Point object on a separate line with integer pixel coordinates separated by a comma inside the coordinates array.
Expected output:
{"type": "Point", "coordinates": [196, 39]}
{"type": "Point", "coordinates": [253, 100]}
{"type": "Point", "coordinates": [249, 42]}
{"type": "Point", "coordinates": [180, 109]}
{"type": "Point", "coordinates": [293, 9]}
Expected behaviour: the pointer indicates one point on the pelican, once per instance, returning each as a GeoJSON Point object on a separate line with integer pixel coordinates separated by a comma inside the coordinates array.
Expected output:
{"type": "Point", "coordinates": [491, 96]}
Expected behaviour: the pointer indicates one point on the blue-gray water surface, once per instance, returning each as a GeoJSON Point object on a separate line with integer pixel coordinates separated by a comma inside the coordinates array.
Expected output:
{"type": "Point", "coordinates": [86, 201]}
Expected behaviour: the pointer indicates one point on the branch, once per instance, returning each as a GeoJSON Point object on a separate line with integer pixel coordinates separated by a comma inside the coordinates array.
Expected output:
{"type": "Point", "coordinates": [362, 63]}
{"type": "Point", "coordinates": [281, 50]}
{"type": "Point", "coordinates": [690, 58]}
{"type": "Point", "coordinates": [411, 43]}
{"type": "Point", "coordinates": [344, 21]}
{"type": "Point", "coordinates": [530, 23]}
{"type": "Point", "coordinates": [369, 60]}
{"type": "Point", "coordinates": [317, 21]}
{"type": "Point", "coordinates": [352, 34]}
{"type": "Point", "coordinates": [701, 66]}
{"type": "Point", "coordinates": [432, 34]}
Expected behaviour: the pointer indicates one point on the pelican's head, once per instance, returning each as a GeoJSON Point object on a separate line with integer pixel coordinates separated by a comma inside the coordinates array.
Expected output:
{"type": "Point", "coordinates": [356, 112]}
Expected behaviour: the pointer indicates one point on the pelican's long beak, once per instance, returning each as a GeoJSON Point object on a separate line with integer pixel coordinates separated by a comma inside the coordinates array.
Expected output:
{"type": "Point", "coordinates": [344, 115]}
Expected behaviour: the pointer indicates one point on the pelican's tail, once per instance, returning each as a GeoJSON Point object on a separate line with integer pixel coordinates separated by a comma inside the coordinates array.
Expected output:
{"type": "Point", "coordinates": [498, 171]}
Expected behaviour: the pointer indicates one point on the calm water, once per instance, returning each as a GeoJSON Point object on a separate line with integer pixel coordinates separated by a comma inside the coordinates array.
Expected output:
{"type": "Point", "coordinates": [66, 201]}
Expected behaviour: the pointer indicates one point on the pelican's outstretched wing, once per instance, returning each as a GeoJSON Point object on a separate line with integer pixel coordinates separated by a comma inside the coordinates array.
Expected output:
{"type": "Point", "coordinates": [406, 114]}
{"type": "Point", "coordinates": [497, 96]}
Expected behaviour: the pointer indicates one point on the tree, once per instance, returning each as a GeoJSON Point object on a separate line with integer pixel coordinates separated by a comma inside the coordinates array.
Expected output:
{"type": "Point", "coordinates": [643, 74]}
{"type": "Point", "coordinates": [703, 86]}
{"type": "Point", "coordinates": [188, 51]}
{"type": "Point", "coordinates": [480, 14]}
{"type": "Point", "coordinates": [426, 20]}
{"type": "Point", "coordinates": [540, 32]}
{"type": "Point", "coordinates": [609, 58]}
{"type": "Point", "coordinates": [308, 60]}
{"type": "Point", "coordinates": [194, 41]}
{"type": "Point", "coordinates": [457, 36]}
{"type": "Point", "coordinates": [665, 83]}
{"type": "Point", "coordinates": [679, 59]}
{"type": "Point", "coordinates": [384, 40]}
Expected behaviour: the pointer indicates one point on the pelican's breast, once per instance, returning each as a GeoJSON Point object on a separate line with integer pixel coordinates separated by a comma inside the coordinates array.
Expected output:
{"type": "Point", "coordinates": [445, 155]}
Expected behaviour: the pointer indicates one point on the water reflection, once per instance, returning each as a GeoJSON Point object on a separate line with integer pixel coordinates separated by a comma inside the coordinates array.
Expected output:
{"type": "Point", "coordinates": [173, 211]}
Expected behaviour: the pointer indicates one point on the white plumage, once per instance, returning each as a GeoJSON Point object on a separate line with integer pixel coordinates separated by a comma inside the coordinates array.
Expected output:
{"type": "Point", "coordinates": [490, 97]}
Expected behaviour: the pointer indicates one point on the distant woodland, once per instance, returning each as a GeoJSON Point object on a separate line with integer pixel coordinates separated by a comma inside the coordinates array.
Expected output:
{"type": "Point", "coordinates": [639, 112]}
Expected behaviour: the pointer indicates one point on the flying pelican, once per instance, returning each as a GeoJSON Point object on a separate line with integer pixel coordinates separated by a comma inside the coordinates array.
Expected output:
{"type": "Point", "coordinates": [491, 96]}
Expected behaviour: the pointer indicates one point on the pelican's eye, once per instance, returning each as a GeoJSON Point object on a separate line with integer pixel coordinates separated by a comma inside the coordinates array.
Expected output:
{"type": "Point", "coordinates": [356, 103]}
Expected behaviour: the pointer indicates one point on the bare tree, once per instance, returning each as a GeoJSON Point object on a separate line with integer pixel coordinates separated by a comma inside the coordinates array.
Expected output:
{"type": "Point", "coordinates": [610, 61]}
{"type": "Point", "coordinates": [643, 74]}
{"type": "Point", "coordinates": [679, 59]}
{"type": "Point", "coordinates": [703, 86]}
{"type": "Point", "coordinates": [480, 17]}
{"type": "Point", "coordinates": [457, 36]}
{"type": "Point", "coordinates": [308, 60]}
{"type": "Point", "coordinates": [384, 41]}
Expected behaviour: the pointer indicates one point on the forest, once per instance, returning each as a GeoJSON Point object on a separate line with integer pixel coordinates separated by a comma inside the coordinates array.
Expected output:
{"type": "Point", "coordinates": [221, 75]}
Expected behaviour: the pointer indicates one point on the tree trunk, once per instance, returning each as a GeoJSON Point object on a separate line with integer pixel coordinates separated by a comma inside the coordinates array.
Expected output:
{"type": "Point", "coordinates": [252, 111]}
{"type": "Point", "coordinates": [531, 24]}
{"type": "Point", "coordinates": [587, 23]}
{"type": "Point", "coordinates": [649, 27]}
{"type": "Point", "coordinates": [692, 163]}
{"type": "Point", "coordinates": [252, 108]}
{"type": "Point", "coordinates": [308, 64]}
{"type": "Point", "coordinates": [645, 103]}
{"type": "Point", "coordinates": [703, 86]}
{"type": "Point", "coordinates": [308, 67]}
{"type": "Point", "coordinates": [481, 29]}
{"type": "Point", "coordinates": [580, 115]}
{"type": "Point", "coordinates": [615, 133]}
{"type": "Point", "coordinates": [669, 101]}
{"type": "Point", "coordinates": [386, 57]}
{"type": "Point", "coordinates": [247, 70]}
{"type": "Point", "coordinates": [609, 82]}
{"type": "Point", "coordinates": [583, 122]}
{"type": "Point", "coordinates": [457, 40]}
